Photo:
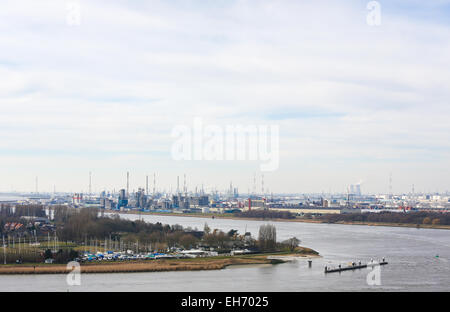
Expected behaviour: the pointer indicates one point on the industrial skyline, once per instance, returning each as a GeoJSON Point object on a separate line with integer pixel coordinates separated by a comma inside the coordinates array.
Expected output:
{"type": "Point", "coordinates": [256, 186]}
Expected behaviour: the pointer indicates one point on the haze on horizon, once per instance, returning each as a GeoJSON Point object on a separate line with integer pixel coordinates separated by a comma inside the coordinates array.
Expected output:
{"type": "Point", "coordinates": [353, 102]}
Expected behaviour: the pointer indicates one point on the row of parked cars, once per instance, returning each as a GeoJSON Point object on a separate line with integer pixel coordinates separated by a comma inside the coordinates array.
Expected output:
{"type": "Point", "coordinates": [122, 256]}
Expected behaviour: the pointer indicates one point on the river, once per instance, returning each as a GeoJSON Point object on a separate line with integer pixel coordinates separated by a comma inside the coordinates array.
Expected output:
{"type": "Point", "coordinates": [418, 261]}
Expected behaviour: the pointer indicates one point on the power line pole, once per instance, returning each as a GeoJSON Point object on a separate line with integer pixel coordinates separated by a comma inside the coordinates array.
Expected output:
{"type": "Point", "coordinates": [90, 183]}
{"type": "Point", "coordinates": [4, 250]}
{"type": "Point", "coordinates": [262, 184]}
{"type": "Point", "coordinates": [390, 186]}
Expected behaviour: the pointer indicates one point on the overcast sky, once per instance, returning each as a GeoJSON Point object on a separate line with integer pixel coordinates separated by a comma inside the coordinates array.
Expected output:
{"type": "Point", "coordinates": [353, 102]}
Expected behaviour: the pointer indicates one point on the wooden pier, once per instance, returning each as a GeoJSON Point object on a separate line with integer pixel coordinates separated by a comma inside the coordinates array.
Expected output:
{"type": "Point", "coordinates": [354, 266]}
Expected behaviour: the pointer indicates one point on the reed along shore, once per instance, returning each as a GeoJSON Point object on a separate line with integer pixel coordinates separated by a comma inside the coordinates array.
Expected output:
{"type": "Point", "coordinates": [194, 264]}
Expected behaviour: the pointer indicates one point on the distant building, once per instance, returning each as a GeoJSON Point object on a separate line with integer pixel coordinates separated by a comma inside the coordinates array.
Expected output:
{"type": "Point", "coordinates": [141, 199]}
{"type": "Point", "coordinates": [123, 199]}
{"type": "Point", "coordinates": [199, 201]}
{"type": "Point", "coordinates": [355, 190]}
{"type": "Point", "coordinates": [107, 203]}
{"type": "Point", "coordinates": [256, 204]}
{"type": "Point", "coordinates": [77, 199]}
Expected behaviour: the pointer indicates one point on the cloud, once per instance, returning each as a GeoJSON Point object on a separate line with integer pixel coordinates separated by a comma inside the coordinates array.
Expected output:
{"type": "Point", "coordinates": [113, 87]}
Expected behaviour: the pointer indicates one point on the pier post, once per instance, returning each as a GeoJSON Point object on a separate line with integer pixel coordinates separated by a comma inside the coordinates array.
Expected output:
{"type": "Point", "coordinates": [310, 263]}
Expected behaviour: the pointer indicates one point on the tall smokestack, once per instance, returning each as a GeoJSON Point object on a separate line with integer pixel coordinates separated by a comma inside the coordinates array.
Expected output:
{"type": "Point", "coordinates": [90, 183]}
{"type": "Point", "coordinates": [128, 184]}
{"type": "Point", "coordinates": [262, 185]}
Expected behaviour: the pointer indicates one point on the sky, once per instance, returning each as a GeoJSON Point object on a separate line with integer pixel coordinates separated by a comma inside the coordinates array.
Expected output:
{"type": "Point", "coordinates": [101, 91]}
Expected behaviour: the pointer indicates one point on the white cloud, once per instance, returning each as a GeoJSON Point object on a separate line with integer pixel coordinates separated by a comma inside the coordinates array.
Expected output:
{"type": "Point", "coordinates": [105, 95]}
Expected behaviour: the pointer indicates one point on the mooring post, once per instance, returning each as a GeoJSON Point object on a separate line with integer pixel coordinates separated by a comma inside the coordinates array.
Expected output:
{"type": "Point", "coordinates": [309, 263]}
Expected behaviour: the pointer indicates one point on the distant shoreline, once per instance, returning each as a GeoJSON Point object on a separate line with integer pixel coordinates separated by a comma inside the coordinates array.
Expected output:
{"type": "Point", "coordinates": [215, 216]}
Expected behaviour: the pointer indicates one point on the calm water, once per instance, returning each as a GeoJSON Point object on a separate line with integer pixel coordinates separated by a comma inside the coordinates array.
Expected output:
{"type": "Point", "coordinates": [411, 252]}
{"type": "Point", "coordinates": [7, 198]}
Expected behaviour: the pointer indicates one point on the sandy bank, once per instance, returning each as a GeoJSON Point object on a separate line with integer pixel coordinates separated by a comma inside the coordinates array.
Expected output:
{"type": "Point", "coordinates": [195, 264]}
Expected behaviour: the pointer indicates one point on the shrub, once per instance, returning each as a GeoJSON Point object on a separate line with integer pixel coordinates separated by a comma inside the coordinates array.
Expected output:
{"type": "Point", "coordinates": [436, 221]}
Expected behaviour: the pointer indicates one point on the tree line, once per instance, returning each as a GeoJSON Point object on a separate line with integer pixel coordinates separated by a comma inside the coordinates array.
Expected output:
{"type": "Point", "coordinates": [413, 217]}
{"type": "Point", "coordinates": [265, 214]}
{"type": "Point", "coordinates": [88, 229]}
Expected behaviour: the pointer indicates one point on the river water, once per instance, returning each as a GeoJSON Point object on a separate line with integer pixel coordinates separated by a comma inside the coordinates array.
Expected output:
{"type": "Point", "coordinates": [419, 260]}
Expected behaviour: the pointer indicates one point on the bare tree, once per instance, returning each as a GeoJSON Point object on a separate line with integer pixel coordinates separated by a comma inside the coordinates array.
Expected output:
{"type": "Point", "coordinates": [206, 229]}
{"type": "Point", "coordinates": [267, 238]}
{"type": "Point", "coordinates": [292, 243]}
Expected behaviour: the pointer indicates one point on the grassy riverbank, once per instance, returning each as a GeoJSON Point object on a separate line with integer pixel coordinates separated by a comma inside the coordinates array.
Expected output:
{"type": "Point", "coordinates": [297, 219]}
{"type": "Point", "coordinates": [194, 264]}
